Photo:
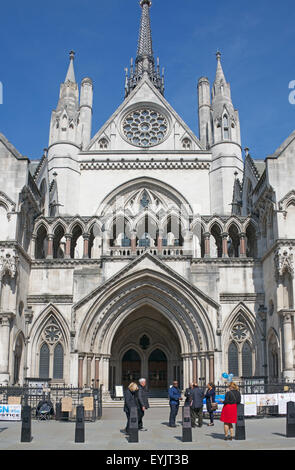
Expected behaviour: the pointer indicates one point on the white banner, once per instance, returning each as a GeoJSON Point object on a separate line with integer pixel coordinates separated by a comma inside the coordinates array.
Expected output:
{"type": "Point", "coordinates": [283, 399]}
{"type": "Point", "coordinates": [250, 403]}
{"type": "Point", "coordinates": [10, 412]}
{"type": "Point", "coordinates": [270, 399]}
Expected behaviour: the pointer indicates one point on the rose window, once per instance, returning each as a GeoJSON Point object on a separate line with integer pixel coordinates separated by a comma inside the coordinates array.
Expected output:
{"type": "Point", "coordinates": [240, 332]}
{"type": "Point", "coordinates": [145, 127]}
{"type": "Point", "coordinates": [52, 333]}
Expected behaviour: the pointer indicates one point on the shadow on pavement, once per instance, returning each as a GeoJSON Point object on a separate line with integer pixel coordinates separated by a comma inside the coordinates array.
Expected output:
{"type": "Point", "coordinates": [216, 436]}
{"type": "Point", "coordinates": [3, 429]}
{"type": "Point", "coordinates": [279, 434]}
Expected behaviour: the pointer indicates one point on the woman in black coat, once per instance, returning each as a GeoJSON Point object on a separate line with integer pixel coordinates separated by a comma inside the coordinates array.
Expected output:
{"type": "Point", "coordinates": [210, 398]}
{"type": "Point", "coordinates": [131, 401]}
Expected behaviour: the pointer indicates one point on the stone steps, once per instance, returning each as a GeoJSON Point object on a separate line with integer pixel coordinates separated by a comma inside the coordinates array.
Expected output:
{"type": "Point", "coordinates": [154, 403]}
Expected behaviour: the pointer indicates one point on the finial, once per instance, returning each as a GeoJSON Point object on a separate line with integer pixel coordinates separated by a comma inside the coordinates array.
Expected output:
{"type": "Point", "coordinates": [218, 54]}
{"type": "Point", "coordinates": [143, 2]}
{"type": "Point", "coordinates": [246, 151]}
{"type": "Point", "coordinates": [72, 55]}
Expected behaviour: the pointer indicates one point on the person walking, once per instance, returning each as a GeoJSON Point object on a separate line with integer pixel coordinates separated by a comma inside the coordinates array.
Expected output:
{"type": "Point", "coordinates": [229, 412]}
{"type": "Point", "coordinates": [131, 401]}
{"type": "Point", "coordinates": [210, 399]}
{"type": "Point", "coordinates": [197, 406]}
{"type": "Point", "coordinates": [143, 402]}
{"type": "Point", "coordinates": [174, 398]}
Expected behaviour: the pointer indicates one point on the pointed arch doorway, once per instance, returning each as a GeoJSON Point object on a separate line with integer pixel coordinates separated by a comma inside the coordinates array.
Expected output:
{"type": "Point", "coordinates": [158, 370]}
{"type": "Point", "coordinates": [146, 345]}
{"type": "Point", "coordinates": [131, 367]}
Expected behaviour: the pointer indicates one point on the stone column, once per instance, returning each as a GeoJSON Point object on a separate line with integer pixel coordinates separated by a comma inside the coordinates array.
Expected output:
{"type": "Point", "coordinates": [187, 242]}
{"type": "Point", "coordinates": [50, 247]}
{"type": "Point", "coordinates": [288, 349]}
{"type": "Point", "coordinates": [207, 244]}
{"type": "Point", "coordinates": [263, 315]}
{"type": "Point", "coordinates": [105, 373]}
{"type": "Point", "coordinates": [5, 319]}
{"type": "Point", "coordinates": [133, 242]}
{"type": "Point", "coordinates": [96, 373]}
{"type": "Point", "coordinates": [211, 368]}
{"type": "Point", "coordinates": [224, 245]}
{"type": "Point", "coordinates": [203, 369]}
{"type": "Point", "coordinates": [81, 370]}
{"type": "Point", "coordinates": [33, 246]}
{"type": "Point", "coordinates": [106, 242]}
{"type": "Point", "coordinates": [68, 237]}
{"type": "Point", "coordinates": [242, 245]}
{"type": "Point", "coordinates": [160, 242]}
{"type": "Point", "coordinates": [86, 237]}
{"type": "Point", "coordinates": [88, 376]}
{"type": "Point", "coordinates": [195, 369]}
{"type": "Point", "coordinates": [28, 321]}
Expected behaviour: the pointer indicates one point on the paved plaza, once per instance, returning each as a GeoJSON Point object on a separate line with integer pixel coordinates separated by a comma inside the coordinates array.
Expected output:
{"type": "Point", "coordinates": [262, 434]}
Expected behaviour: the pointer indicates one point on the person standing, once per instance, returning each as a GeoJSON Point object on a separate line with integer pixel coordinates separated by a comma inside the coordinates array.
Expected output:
{"type": "Point", "coordinates": [188, 395]}
{"type": "Point", "coordinates": [131, 401]}
{"type": "Point", "coordinates": [197, 406]}
{"type": "Point", "coordinates": [143, 402]}
{"type": "Point", "coordinates": [210, 399]}
{"type": "Point", "coordinates": [229, 412]}
{"type": "Point", "coordinates": [174, 398]}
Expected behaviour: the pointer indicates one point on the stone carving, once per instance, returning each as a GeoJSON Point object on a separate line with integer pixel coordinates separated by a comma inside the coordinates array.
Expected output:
{"type": "Point", "coordinates": [284, 262]}
{"type": "Point", "coordinates": [8, 262]}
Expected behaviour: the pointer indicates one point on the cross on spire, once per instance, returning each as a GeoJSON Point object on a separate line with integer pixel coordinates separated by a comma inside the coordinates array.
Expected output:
{"type": "Point", "coordinates": [145, 61]}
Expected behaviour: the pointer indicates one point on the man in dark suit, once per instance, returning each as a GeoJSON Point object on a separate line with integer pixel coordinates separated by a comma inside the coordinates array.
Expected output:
{"type": "Point", "coordinates": [188, 394]}
{"type": "Point", "coordinates": [174, 398]}
{"type": "Point", "coordinates": [143, 402]}
{"type": "Point", "coordinates": [197, 406]}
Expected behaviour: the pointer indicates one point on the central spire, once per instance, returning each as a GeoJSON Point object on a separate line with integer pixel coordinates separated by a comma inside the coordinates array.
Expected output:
{"type": "Point", "coordinates": [145, 62]}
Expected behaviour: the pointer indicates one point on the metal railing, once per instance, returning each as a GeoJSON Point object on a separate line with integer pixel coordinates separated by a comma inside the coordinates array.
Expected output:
{"type": "Point", "coordinates": [32, 396]}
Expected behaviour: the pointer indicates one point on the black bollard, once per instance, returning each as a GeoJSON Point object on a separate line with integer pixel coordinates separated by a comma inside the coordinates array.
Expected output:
{"type": "Point", "coordinates": [26, 433]}
{"type": "Point", "coordinates": [186, 424]}
{"type": "Point", "coordinates": [58, 411]}
{"type": "Point", "coordinates": [133, 425]}
{"type": "Point", "coordinates": [80, 424]}
{"type": "Point", "coordinates": [291, 419]}
{"type": "Point", "coordinates": [240, 426]}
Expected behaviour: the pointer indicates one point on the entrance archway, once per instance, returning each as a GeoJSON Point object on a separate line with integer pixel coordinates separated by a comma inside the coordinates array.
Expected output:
{"type": "Point", "coordinates": [131, 367]}
{"type": "Point", "coordinates": [158, 368]}
{"type": "Point", "coordinates": [146, 345]}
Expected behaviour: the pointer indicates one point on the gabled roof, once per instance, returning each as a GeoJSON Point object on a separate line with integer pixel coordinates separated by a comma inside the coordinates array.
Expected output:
{"type": "Point", "coordinates": [284, 146]}
{"type": "Point", "coordinates": [145, 81]}
{"type": "Point", "coordinates": [11, 148]}
{"type": "Point", "coordinates": [150, 263]}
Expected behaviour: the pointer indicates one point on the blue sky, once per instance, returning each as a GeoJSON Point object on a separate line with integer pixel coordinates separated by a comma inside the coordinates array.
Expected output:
{"type": "Point", "coordinates": [256, 39]}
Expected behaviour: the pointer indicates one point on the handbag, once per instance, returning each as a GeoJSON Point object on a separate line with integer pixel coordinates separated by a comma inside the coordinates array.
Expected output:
{"type": "Point", "coordinates": [214, 406]}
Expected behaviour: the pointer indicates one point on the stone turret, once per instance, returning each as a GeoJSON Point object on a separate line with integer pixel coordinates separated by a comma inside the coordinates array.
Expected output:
{"type": "Point", "coordinates": [225, 145]}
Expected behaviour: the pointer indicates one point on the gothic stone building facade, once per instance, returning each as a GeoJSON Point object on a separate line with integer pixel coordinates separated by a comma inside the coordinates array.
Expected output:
{"type": "Point", "coordinates": [145, 250]}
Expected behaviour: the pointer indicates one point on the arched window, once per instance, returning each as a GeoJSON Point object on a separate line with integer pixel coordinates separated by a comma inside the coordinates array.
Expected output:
{"type": "Point", "coordinates": [233, 242]}
{"type": "Point", "coordinates": [187, 144]}
{"type": "Point", "coordinates": [58, 362]}
{"type": "Point", "coordinates": [44, 362]}
{"type": "Point", "coordinates": [240, 352]}
{"type": "Point", "coordinates": [247, 360]}
{"type": "Point", "coordinates": [103, 143]}
{"type": "Point", "coordinates": [41, 243]}
{"type": "Point", "coordinates": [51, 362]}
{"type": "Point", "coordinates": [225, 127]}
{"type": "Point", "coordinates": [233, 359]}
